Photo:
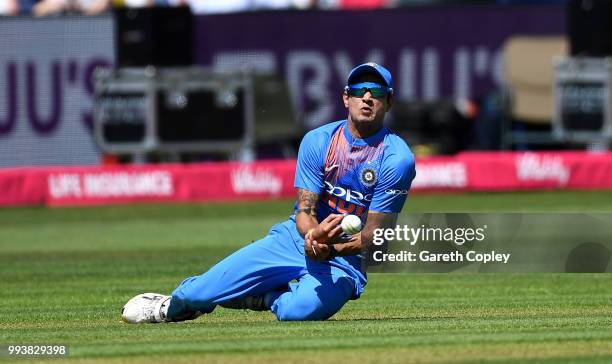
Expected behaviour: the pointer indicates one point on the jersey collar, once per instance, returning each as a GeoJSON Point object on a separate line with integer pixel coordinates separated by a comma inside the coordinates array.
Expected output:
{"type": "Point", "coordinates": [372, 140]}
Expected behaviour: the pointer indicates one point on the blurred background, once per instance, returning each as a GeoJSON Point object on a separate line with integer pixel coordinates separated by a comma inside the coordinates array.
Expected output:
{"type": "Point", "coordinates": [484, 88]}
{"type": "Point", "coordinates": [173, 108]}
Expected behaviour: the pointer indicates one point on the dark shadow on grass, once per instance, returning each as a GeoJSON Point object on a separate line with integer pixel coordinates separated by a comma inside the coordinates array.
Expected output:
{"type": "Point", "coordinates": [395, 319]}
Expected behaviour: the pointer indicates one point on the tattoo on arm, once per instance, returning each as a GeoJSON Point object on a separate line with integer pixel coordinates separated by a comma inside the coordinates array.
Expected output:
{"type": "Point", "coordinates": [307, 202]}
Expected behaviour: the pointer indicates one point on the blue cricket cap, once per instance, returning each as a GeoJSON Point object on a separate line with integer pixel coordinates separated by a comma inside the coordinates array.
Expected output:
{"type": "Point", "coordinates": [371, 68]}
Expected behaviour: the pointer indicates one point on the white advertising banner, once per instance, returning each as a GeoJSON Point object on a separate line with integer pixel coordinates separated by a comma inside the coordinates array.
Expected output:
{"type": "Point", "coordinates": [46, 86]}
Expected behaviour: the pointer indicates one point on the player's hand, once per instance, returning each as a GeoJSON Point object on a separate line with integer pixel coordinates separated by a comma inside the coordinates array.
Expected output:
{"type": "Point", "coordinates": [328, 230]}
{"type": "Point", "coordinates": [313, 249]}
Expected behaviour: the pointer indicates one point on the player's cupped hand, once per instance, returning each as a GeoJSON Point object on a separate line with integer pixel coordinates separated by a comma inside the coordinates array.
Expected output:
{"type": "Point", "coordinates": [313, 249]}
{"type": "Point", "coordinates": [329, 230]}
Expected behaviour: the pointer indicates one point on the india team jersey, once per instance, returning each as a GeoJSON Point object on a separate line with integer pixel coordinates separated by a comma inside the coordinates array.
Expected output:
{"type": "Point", "coordinates": [353, 176]}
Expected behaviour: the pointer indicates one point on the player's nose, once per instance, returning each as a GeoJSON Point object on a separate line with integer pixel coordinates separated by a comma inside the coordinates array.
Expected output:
{"type": "Point", "coordinates": [367, 97]}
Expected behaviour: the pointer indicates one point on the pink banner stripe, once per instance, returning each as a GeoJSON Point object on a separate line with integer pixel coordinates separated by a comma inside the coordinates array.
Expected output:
{"type": "Point", "coordinates": [232, 181]}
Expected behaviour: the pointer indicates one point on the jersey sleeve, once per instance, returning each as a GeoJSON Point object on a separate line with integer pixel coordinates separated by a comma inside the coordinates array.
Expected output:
{"type": "Point", "coordinates": [394, 182]}
{"type": "Point", "coordinates": [310, 163]}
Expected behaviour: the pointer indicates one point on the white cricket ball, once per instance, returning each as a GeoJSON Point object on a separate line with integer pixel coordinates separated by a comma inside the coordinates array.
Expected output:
{"type": "Point", "coordinates": [351, 224]}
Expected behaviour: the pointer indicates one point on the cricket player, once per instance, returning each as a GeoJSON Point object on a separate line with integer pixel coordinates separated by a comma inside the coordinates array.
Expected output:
{"type": "Point", "coordinates": [307, 268]}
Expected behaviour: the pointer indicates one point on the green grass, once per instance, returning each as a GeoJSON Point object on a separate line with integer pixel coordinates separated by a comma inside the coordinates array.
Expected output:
{"type": "Point", "coordinates": [65, 273]}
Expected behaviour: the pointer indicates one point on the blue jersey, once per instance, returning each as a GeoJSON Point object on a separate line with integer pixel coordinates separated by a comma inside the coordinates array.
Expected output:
{"type": "Point", "coordinates": [354, 176]}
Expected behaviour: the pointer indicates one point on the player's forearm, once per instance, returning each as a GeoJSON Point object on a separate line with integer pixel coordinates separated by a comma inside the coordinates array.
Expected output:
{"type": "Point", "coordinates": [306, 212]}
{"type": "Point", "coordinates": [304, 223]}
{"type": "Point", "coordinates": [351, 247]}
{"type": "Point", "coordinates": [360, 243]}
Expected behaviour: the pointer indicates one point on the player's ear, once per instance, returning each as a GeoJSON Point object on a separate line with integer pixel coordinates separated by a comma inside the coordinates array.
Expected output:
{"type": "Point", "coordinates": [345, 98]}
{"type": "Point", "coordinates": [389, 102]}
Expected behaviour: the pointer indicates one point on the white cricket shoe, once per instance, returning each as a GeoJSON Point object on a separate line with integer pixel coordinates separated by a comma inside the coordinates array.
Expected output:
{"type": "Point", "coordinates": [146, 308]}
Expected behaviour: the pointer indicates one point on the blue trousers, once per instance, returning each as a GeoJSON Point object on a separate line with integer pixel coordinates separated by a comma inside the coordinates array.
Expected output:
{"type": "Point", "coordinates": [266, 267]}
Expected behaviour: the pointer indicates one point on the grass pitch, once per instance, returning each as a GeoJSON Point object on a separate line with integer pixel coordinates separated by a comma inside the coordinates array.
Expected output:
{"type": "Point", "coordinates": [66, 273]}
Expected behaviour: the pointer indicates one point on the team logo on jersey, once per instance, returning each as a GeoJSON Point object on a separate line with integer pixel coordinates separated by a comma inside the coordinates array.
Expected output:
{"type": "Point", "coordinates": [346, 193]}
{"type": "Point", "coordinates": [368, 177]}
{"type": "Point", "coordinates": [396, 192]}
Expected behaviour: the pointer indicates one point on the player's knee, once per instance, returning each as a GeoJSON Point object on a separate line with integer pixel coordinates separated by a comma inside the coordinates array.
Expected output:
{"type": "Point", "coordinates": [318, 303]}
{"type": "Point", "coordinates": [303, 310]}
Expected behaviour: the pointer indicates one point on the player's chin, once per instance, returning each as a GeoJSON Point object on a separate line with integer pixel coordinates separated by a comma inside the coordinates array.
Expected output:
{"type": "Point", "coordinates": [366, 120]}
